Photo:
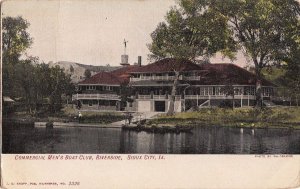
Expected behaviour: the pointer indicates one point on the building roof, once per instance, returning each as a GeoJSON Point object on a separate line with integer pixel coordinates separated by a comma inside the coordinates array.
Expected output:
{"type": "Point", "coordinates": [210, 74]}
{"type": "Point", "coordinates": [104, 78]}
{"type": "Point", "coordinates": [115, 77]}
{"type": "Point", "coordinates": [167, 65]}
{"type": "Point", "coordinates": [123, 72]}
{"type": "Point", "coordinates": [224, 74]}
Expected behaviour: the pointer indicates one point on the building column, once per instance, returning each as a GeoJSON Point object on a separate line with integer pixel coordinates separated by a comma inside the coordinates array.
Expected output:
{"type": "Point", "coordinates": [248, 100]}
{"type": "Point", "coordinates": [242, 100]}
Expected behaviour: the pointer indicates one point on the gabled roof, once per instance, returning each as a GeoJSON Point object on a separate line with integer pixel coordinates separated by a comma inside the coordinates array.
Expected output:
{"type": "Point", "coordinates": [105, 78]}
{"type": "Point", "coordinates": [167, 65]}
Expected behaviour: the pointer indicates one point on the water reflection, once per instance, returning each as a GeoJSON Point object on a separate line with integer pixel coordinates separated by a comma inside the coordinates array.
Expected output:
{"type": "Point", "coordinates": [203, 140]}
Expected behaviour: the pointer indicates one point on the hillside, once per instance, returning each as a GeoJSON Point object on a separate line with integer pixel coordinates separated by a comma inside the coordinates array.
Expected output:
{"type": "Point", "coordinates": [77, 73]}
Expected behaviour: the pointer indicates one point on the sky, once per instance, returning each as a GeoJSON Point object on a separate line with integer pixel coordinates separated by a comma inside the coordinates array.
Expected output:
{"type": "Point", "coordinates": [92, 32]}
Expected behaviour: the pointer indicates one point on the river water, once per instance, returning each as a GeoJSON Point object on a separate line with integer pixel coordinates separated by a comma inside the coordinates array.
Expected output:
{"type": "Point", "coordinates": [202, 140]}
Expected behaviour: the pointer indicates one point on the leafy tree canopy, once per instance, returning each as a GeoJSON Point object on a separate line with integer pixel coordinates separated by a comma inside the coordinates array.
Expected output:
{"type": "Point", "coordinates": [15, 38]}
{"type": "Point", "coordinates": [28, 79]}
{"type": "Point", "coordinates": [264, 29]}
{"type": "Point", "coordinates": [87, 73]}
{"type": "Point", "coordinates": [188, 33]}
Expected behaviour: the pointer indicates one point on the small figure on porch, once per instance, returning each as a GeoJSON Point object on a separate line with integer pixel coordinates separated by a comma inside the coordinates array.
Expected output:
{"type": "Point", "coordinates": [79, 117]}
{"type": "Point", "coordinates": [129, 118]}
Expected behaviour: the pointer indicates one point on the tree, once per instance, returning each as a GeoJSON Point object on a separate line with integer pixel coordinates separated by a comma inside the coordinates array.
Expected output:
{"type": "Point", "coordinates": [292, 75]}
{"type": "Point", "coordinates": [15, 37]}
{"type": "Point", "coordinates": [291, 62]}
{"type": "Point", "coordinates": [187, 35]}
{"type": "Point", "coordinates": [71, 69]}
{"type": "Point", "coordinates": [125, 94]}
{"type": "Point", "coordinates": [293, 78]}
{"type": "Point", "coordinates": [60, 84]}
{"type": "Point", "coordinates": [15, 41]}
{"type": "Point", "coordinates": [263, 29]}
{"type": "Point", "coordinates": [87, 73]}
{"type": "Point", "coordinates": [27, 78]}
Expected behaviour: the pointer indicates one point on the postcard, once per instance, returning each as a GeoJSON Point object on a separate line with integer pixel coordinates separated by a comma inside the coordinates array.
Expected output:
{"type": "Point", "coordinates": [150, 94]}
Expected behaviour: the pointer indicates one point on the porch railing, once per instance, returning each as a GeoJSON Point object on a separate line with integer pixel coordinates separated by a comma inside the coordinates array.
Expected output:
{"type": "Point", "coordinates": [96, 96]}
{"type": "Point", "coordinates": [200, 97]}
{"type": "Point", "coordinates": [158, 97]}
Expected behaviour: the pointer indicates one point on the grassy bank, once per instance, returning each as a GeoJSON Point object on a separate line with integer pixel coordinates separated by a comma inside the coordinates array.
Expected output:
{"type": "Point", "coordinates": [69, 114]}
{"type": "Point", "coordinates": [280, 117]}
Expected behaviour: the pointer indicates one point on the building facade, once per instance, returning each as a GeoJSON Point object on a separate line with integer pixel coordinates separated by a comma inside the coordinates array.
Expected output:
{"type": "Point", "coordinates": [148, 88]}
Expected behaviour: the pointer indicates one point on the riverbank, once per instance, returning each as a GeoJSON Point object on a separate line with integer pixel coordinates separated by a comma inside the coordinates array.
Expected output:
{"type": "Point", "coordinates": [277, 117]}
{"type": "Point", "coordinates": [66, 115]}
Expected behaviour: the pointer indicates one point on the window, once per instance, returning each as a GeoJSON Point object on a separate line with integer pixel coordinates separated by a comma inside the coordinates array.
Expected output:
{"type": "Point", "coordinates": [238, 90]}
{"type": "Point", "coordinates": [217, 91]}
{"type": "Point", "coordinates": [202, 91]}
{"type": "Point", "coordinates": [106, 103]}
{"type": "Point", "coordinates": [90, 103]}
{"type": "Point", "coordinates": [107, 88]}
{"type": "Point", "coordinates": [267, 91]}
{"type": "Point", "coordinates": [210, 90]}
{"type": "Point", "coordinates": [207, 91]}
{"type": "Point", "coordinates": [252, 90]}
{"type": "Point", "coordinates": [90, 87]}
{"type": "Point", "coordinates": [271, 91]}
{"type": "Point", "coordinates": [249, 90]}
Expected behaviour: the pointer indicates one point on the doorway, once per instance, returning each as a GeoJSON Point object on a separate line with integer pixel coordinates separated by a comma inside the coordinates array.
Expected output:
{"type": "Point", "coordinates": [159, 106]}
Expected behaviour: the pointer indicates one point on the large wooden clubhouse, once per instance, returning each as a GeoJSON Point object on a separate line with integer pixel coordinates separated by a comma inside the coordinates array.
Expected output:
{"type": "Point", "coordinates": [199, 85]}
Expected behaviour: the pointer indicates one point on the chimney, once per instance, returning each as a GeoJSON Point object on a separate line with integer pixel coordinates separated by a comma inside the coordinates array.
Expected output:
{"type": "Point", "coordinates": [139, 61]}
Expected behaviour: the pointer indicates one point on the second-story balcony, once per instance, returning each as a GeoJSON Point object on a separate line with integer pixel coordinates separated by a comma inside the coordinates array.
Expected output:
{"type": "Point", "coordinates": [195, 97]}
